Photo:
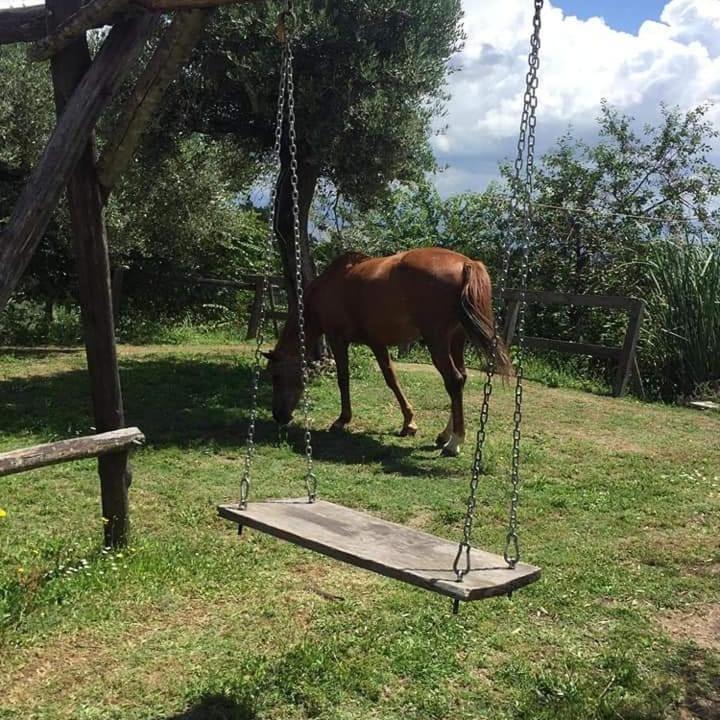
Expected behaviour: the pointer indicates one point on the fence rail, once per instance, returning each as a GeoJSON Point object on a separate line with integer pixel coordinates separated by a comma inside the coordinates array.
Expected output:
{"type": "Point", "coordinates": [624, 355]}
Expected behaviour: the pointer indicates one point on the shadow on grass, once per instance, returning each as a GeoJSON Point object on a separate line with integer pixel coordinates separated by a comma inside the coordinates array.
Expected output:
{"type": "Point", "coordinates": [349, 448]}
{"type": "Point", "coordinates": [701, 676]}
{"type": "Point", "coordinates": [191, 402]}
{"type": "Point", "coordinates": [217, 707]}
{"type": "Point", "coordinates": [38, 352]}
{"type": "Point", "coordinates": [175, 402]}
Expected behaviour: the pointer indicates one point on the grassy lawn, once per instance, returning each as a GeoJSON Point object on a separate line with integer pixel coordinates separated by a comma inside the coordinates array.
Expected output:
{"type": "Point", "coordinates": [620, 506]}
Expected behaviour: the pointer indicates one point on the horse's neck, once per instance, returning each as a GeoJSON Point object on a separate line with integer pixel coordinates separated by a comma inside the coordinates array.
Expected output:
{"type": "Point", "coordinates": [288, 343]}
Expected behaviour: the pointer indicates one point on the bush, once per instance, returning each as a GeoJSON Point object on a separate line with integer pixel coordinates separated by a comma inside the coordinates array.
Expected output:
{"type": "Point", "coordinates": [27, 322]}
{"type": "Point", "coordinates": [681, 343]}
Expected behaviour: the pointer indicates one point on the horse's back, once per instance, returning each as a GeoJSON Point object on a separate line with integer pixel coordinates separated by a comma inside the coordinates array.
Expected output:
{"type": "Point", "coordinates": [391, 300]}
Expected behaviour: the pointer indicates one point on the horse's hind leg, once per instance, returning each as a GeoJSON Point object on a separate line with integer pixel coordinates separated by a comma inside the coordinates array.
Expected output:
{"type": "Point", "coordinates": [383, 359]}
{"type": "Point", "coordinates": [454, 379]}
{"type": "Point", "coordinates": [342, 365]}
{"type": "Point", "coordinates": [457, 352]}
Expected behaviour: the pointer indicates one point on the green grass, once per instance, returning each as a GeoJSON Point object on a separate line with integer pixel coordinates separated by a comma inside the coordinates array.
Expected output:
{"type": "Point", "coordinates": [620, 506]}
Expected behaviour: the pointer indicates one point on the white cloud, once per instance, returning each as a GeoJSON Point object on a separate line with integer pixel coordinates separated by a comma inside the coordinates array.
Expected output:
{"type": "Point", "coordinates": [676, 60]}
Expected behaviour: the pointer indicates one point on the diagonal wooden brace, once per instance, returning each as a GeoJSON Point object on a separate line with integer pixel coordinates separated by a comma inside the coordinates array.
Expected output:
{"type": "Point", "coordinates": [41, 193]}
{"type": "Point", "coordinates": [172, 52]}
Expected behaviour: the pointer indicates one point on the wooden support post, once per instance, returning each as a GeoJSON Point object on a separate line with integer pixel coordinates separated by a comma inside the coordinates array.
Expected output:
{"type": "Point", "coordinates": [255, 310]}
{"type": "Point", "coordinates": [68, 141]}
{"type": "Point", "coordinates": [69, 67]}
{"type": "Point", "coordinates": [116, 283]}
{"type": "Point", "coordinates": [629, 348]}
{"type": "Point", "coordinates": [273, 309]}
{"type": "Point", "coordinates": [404, 350]}
{"type": "Point", "coordinates": [173, 51]}
{"type": "Point", "coordinates": [512, 310]}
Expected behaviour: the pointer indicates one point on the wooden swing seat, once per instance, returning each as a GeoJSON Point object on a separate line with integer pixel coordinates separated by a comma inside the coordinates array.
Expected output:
{"type": "Point", "coordinates": [384, 547]}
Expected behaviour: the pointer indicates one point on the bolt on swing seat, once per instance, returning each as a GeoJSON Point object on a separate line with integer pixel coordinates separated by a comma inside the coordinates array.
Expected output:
{"type": "Point", "coordinates": [384, 547]}
{"type": "Point", "coordinates": [355, 537]}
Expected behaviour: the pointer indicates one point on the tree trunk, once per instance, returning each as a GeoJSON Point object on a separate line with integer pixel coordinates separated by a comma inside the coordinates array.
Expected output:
{"type": "Point", "coordinates": [308, 174]}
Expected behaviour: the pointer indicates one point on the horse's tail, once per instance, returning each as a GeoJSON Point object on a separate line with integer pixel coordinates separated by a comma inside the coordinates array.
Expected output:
{"type": "Point", "coordinates": [476, 315]}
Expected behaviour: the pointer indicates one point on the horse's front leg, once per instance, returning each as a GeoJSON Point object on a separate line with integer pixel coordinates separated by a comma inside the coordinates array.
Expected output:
{"type": "Point", "coordinates": [342, 365]}
{"type": "Point", "coordinates": [383, 358]}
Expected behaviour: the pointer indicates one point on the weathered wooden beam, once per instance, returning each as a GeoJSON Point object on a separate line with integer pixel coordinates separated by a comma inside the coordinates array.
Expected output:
{"type": "Point", "coordinates": [28, 25]}
{"type": "Point", "coordinates": [69, 68]}
{"type": "Point", "coordinates": [573, 348]}
{"type": "Point", "coordinates": [67, 142]}
{"type": "Point", "coordinates": [22, 24]}
{"type": "Point", "coordinates": [628, 354]}
{"type": "Point", "coordinates": [166, 5]}
{"type": "Point", "coordinates": [95, 13]}
{"type": "Point", "coordinates": [173, 50]}
{"type": "Point", "coordinates": [17, 461]}
{"type": "Point", "coordinates": [547, 297]}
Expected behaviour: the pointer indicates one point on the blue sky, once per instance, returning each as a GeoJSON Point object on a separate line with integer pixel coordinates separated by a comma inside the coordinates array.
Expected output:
{"type": "Point", "coordinates": [627, 15]}
{"type": "Point", "coordinates": [637, 54]}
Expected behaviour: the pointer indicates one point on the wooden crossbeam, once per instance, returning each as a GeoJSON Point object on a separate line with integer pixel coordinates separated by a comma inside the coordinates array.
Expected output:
{"type": "Point", "coordinates": [17, 461]}
{"type": "Point", "coordinates": [22, 24]}
{"type": "Point", "coordinates": [67, 142]}
{"type": "Point", "coordinates": [91, 15]}
{"type": "Point", "coordinates": [174, 49]}
{"type": "Point", "coordinates": [27, 25]}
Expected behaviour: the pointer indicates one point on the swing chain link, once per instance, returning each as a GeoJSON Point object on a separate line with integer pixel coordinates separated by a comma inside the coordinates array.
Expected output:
{"type": "Point", "coordinates": [512, 540]}
{"type": "Point", "coordinates": [266, 270]}
{"type": "Point", "coordinates": [310, 477]}
{"type": "Point", "coordinates": [520, 201]}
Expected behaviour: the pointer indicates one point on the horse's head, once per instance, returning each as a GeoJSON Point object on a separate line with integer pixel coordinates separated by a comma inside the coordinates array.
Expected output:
{"type": "Point", "coordinates": [285, 373]}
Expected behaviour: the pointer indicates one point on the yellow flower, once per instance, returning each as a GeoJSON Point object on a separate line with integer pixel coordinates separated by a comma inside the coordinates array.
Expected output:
{"type": "Point", "coordinates": [3, 513]}
{"type": "Point", "coordinates": [21, 570]}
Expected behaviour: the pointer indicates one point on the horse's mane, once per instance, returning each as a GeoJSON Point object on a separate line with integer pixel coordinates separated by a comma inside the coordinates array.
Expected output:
{"type": "Point", "coordinates": [347, 259]}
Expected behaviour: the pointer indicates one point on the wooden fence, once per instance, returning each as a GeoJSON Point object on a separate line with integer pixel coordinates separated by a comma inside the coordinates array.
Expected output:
{"type": "Point", "coordinates": [624, 356]}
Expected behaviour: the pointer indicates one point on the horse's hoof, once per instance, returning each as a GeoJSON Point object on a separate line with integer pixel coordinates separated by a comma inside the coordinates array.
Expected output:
{"type": "Point", "coordinates": [450, 451]}
{"type": "Point", "coordinates": [442, 440]}
{"type": "Point", "coordinates": [409, 431]}
{"type": "Point", "coordinates": [338, 426]}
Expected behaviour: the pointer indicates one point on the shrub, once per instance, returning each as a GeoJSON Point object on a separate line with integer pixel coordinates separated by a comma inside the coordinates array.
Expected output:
{"type": "Point", "coordinates": [681, 343]}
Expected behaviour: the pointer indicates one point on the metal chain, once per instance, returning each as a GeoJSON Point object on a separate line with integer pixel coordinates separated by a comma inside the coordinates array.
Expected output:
{"type": "Point", "coordinates": [512, 541]}
{"type": "Point", "coordinates": [266, 270]}
{"type": "Point", "coordinates": [310, 478]}
{"type": "Point", "coordinates": [520, 200]}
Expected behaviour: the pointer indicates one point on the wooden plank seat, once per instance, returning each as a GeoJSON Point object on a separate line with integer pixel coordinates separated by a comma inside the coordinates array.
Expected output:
{"type": "Point", "coordinates": [384, 547]}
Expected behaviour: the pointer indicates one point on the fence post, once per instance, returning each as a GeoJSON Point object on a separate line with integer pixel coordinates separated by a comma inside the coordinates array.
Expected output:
{"type": "Point", "coordinates": [629, 349]}
{"type": "Point", "coordinates": [512, 310]}
{"type": "Point", "coordinates": [255, 310]}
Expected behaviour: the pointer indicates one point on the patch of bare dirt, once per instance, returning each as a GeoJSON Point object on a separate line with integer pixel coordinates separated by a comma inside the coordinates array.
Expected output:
{"type": "Point", "coordinates": [421, 520]}
{"type": "Point", "coordinates": [700, 625]}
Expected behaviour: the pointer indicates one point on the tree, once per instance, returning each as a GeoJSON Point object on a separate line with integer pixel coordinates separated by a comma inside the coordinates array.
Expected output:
{"type": "Point", "coordinates": [369, 79]}
{"type": "Point", "coordinates": [598, 205]}
{"type": "Point", "coordinates": [175, 211]}
{"type": "Point", "coordinates": [26, 118]}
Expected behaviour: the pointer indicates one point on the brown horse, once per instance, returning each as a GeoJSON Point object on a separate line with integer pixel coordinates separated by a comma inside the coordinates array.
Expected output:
{"type": "Point", "coordinates": [434, 294]}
